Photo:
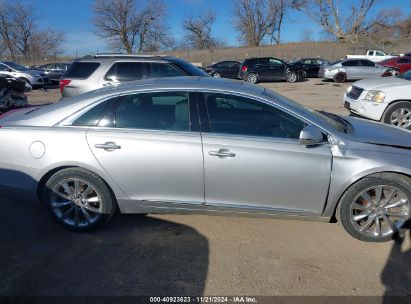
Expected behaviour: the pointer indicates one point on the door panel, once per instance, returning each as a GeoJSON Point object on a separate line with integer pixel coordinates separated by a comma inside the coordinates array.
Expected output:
{"type": "Point", "coordinates": [152, 165]}
{"type": "Point", "coordinates": [252, 157]}
{"type": "Point", "coordinates": [266, 173]}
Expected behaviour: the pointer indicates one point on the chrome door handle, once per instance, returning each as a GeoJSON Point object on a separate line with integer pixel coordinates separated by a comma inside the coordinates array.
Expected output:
{"type": "Point", "coordinates": [222, 153]}
{"type": "Point", "coordinates": [108, 146]}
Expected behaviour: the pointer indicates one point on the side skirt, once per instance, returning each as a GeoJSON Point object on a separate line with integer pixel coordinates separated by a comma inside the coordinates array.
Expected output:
{"type": "Point", "coordinates": [156, 207]}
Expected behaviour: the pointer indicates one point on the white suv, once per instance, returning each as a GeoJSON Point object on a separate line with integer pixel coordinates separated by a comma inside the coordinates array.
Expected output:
{"type": "Point", "coordinates": [32, 77]}
{"type": "Point", "coordinates": [385, 99]}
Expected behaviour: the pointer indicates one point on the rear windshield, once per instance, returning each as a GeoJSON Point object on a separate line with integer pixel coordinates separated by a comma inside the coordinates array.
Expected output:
{"type": "Point", "coordinates": [81, 69]}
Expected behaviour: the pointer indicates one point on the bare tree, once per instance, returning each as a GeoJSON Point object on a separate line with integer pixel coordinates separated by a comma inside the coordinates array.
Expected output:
{"type": "Point", "coordinates": [280, 9]}
{"type": "Point", "coordinates": [152, 29]}
{"type": "Point", "coordinates": [19, 32]}
{"type": "Point", "coordinates": [23, 27]}
{"type": "Point", "coordinates": [6, 29]}
{"type": "Point", "coordinates": [256, 20]}
{"type": "Point", "coordinates": [128, 23]}
{"type": "Point", "coordinates": [344, 24]}
{"type": "Point", "coordinates": [198, 30]}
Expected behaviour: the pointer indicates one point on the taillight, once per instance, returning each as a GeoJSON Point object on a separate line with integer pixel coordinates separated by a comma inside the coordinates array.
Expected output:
{"type": "Point", "coordinates": [63, 83]}
{"type": "Point", "coordinates": [244, 68]}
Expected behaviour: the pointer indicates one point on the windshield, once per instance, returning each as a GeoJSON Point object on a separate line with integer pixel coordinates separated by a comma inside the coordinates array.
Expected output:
{"type": "Point", "coordinates": [188, 67]}
{"type": "Point", "coordinates": [406, 75]}
{"type": "Point", "coordinates": [15, 66]}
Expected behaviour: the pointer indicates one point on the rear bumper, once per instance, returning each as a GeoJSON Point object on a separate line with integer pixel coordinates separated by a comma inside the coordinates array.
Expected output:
{"type": "Point", "coordinates": [18, 183]}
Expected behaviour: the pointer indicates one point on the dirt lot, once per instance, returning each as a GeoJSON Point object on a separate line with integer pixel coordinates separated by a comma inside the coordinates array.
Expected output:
{"type": "Point", "coordinates": [196, 255]}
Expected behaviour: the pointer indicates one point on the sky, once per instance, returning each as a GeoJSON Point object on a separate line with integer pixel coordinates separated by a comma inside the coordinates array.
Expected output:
{"type": "Point", "coordinates": [74, 18]}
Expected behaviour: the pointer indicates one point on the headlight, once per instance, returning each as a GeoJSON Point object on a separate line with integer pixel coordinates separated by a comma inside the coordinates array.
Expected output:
{"type": "Point", "coordinates": [375, 96]}
{"type": "Point", "coordinates": [349, 89]}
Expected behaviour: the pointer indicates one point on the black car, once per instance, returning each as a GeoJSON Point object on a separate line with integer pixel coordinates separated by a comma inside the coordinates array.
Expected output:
{"type": "Point", "coordinates": [226, 69]}
{"type": "Point", "coordinates": [54, 71]}
{"type": "Point", "coordinates": [311, 66]}
{"type": "Point", "coordinates": [256, 70]}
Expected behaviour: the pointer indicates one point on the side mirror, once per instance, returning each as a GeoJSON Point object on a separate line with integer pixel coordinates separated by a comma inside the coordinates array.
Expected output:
{"type": "Point", "coordinates": [10, 70]}
{"type": "Point", "coordinates": [311, 135]}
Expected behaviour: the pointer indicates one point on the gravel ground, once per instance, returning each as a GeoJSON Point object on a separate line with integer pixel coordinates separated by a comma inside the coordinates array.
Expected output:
{"type": "Point", "coordinates": [199, 255]}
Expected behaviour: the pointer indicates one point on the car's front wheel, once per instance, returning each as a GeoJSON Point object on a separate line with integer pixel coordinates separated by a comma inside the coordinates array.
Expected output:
{"type": "Point", "coordinates": [376, 207]}
{"type": "Point", "coordinates": [398, 114]}
{"type": "Point", "coordinates": [78, 199]}
{"type": "Point", "coordinates": [291, 77]}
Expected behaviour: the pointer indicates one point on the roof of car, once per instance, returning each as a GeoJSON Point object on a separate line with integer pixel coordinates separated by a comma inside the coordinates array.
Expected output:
{"type": "Point", "coordinates": [100, 57]}
{"type": "Point", "coordinates": [185, 82]}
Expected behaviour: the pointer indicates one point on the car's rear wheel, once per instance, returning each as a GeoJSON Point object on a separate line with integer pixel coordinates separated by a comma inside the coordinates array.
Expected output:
{"type": "Point", "coordinates": [340, 77]}
{"type": "Point", "coordinates": [291, 77]}
{"type": "Point", "coordinates": [376, 207]}
{"type": "Point", "coordinates": [216, 75]}
{"type": "Point", "coordinates": [398, 114]}
{"type": "Point", "coordinates": [252, 78]}
{"type": "Point", "coordinates": [78, 199]}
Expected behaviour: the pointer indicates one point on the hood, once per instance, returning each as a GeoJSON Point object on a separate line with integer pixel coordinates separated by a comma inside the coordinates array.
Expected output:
{"type": "Point", "coordinates": [378, 133]}
{"type": "Point", "coordinates": [33, 73]}
{"type": "Point", "coordinates": [380, 83]}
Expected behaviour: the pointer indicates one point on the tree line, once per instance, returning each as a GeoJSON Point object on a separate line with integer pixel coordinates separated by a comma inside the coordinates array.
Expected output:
{"type": "Point", "coordinates": [20, 34]}
{"type": "Point", "coordinates": [135, 26]}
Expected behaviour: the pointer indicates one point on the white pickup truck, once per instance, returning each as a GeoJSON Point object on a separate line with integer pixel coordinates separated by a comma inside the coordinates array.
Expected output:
{"type": "Point", "coordinates": [373, 55]}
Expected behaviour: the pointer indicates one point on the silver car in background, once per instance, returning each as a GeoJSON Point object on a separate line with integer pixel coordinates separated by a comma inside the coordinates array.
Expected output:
{"type": "Point", "coordinates": [33, 78]}
{"type": "Point", "coordinates": [210, 146]}
{"type": "Point", "coordinates": [353, 69]}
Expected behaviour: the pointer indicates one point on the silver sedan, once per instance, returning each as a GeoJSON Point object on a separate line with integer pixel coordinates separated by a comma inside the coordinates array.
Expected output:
{"type": "Point", "coordinates": [204, 145]}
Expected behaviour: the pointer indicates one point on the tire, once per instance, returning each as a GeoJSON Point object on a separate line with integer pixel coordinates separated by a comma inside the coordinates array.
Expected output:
{"type": "Point", "coordinates": [252, 78]}
{"type": "Point", "coordinates": [28, 86]}
{"type": "Point", "coordinates": [216, 75]}
{"type": "Point", "coordinates": [291, 77]}
{"type": "Point", "coordinates": [355, 212]}
{"type": "Point", "coordinates": [340, 78]}
{"type": "Point", "coordinates": [70, 209]}
{"type": "Point", "coordinates": [398, 114]}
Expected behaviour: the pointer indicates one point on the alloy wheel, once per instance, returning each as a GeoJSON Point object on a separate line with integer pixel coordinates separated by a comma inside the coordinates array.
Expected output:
{"type": "Point", "coordinates": [76, 202]}
{"type": "Point", "coordinates": [252, 78]}
{"type": "Point", "coordinates": [401, 118]}
{"type": "Point", "coordinates": [380, 211]}
{"type": "Point", "coordinates": [292, 77]}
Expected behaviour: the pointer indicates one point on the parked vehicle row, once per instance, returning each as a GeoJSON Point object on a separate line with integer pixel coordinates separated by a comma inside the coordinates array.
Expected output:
{"type": "Point", "coordinates": [372, 55]}
{"type": "Point", "coordinates": [54, 71]}
{"type": "Point", "coordinates": [205, 145]}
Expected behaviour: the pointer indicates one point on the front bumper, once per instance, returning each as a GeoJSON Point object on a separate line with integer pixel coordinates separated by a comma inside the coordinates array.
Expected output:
{"type": "Point", "coordinates": [364, 108]}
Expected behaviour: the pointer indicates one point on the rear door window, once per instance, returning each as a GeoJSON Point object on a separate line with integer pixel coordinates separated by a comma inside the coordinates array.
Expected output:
{"type": "Point", "coordinates": [367, 63]}
{"type": "Point", "coordinates": [81, 69]}
{"type": "Point", "coordinates": [154, 111]}
{"type": "Point", "coordinates": [126, 71]}
{"type": "Point", "coordinates": [164, 70]}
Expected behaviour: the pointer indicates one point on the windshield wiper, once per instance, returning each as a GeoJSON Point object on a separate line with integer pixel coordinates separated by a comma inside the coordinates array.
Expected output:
{"type": "Point", "coordinates": [344, 123]}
